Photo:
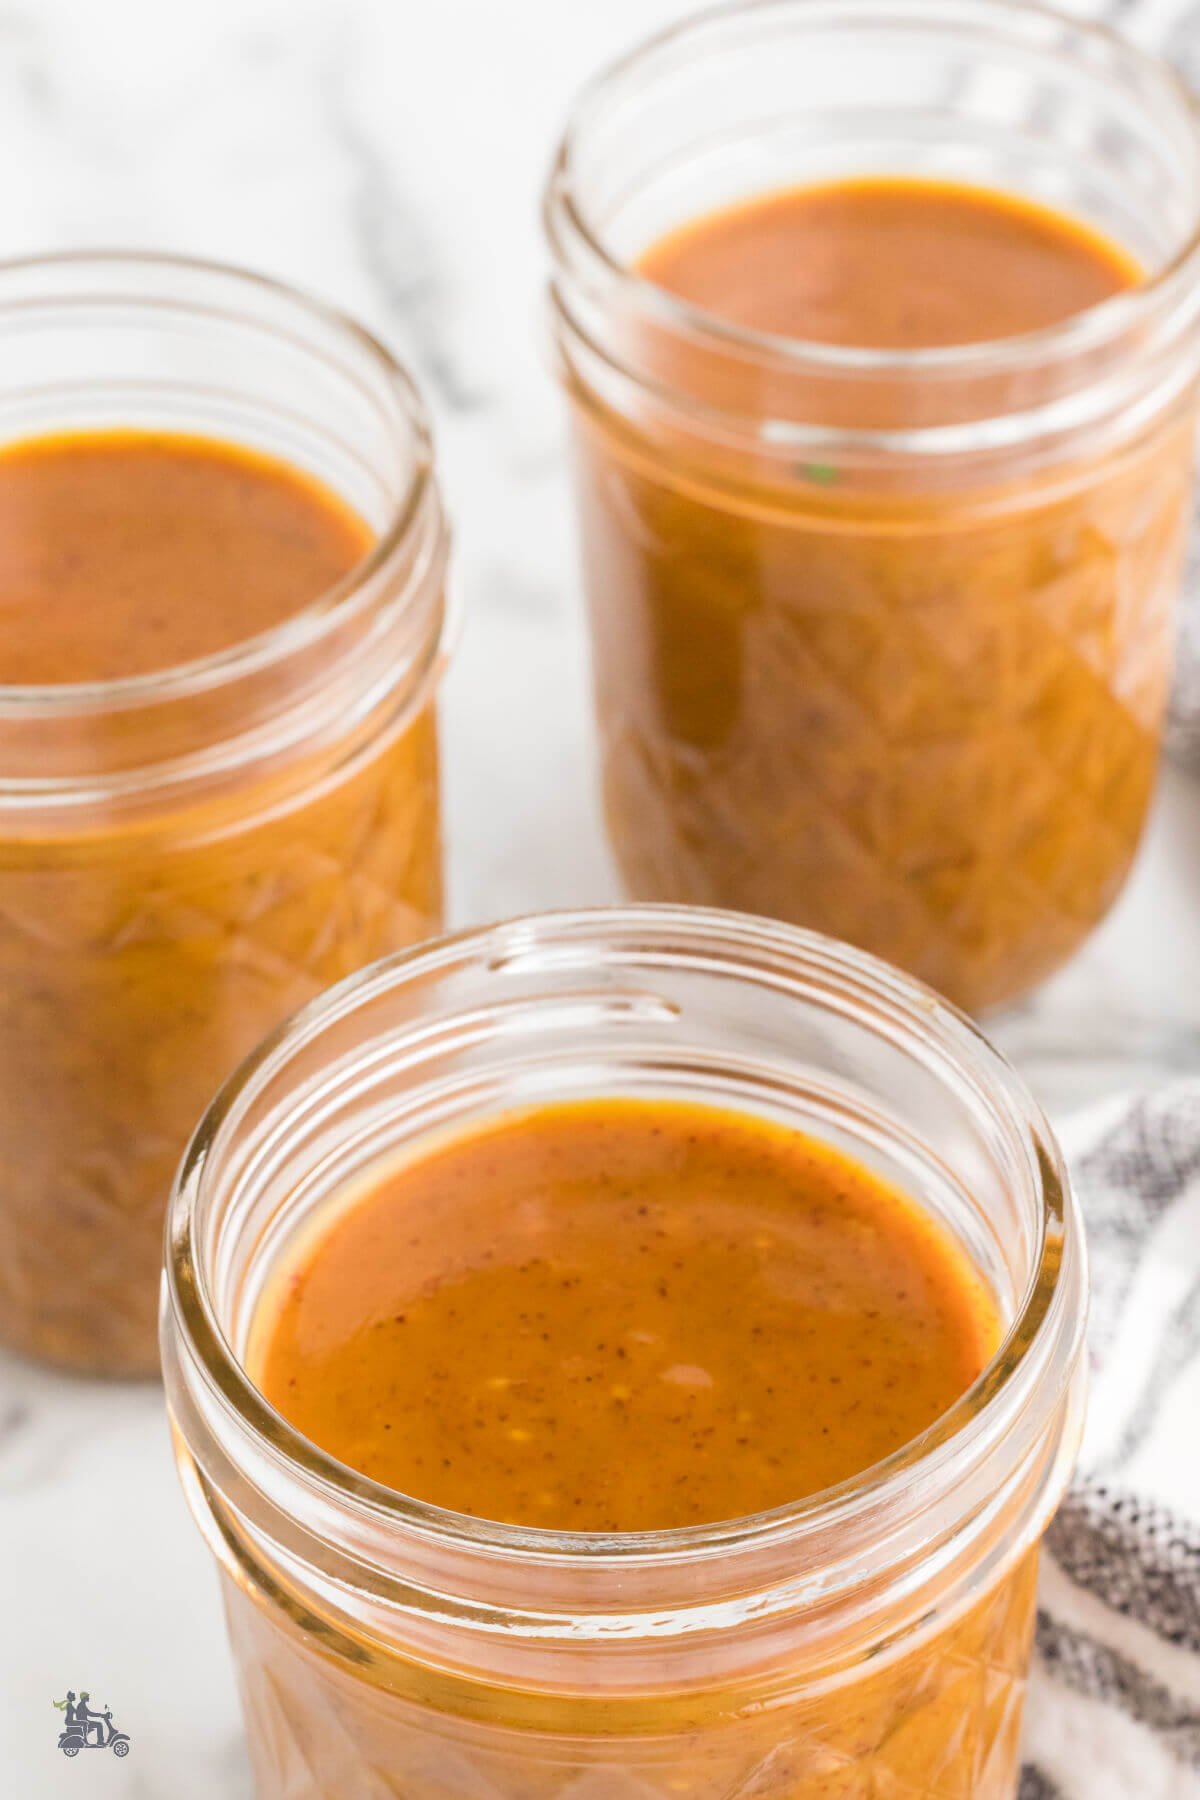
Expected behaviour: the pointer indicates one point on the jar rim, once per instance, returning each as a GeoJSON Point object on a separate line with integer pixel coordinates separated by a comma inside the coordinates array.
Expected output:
{"type": "Point", "coordinates": [1048, 1319]}
{"type": "Point", "coordinates": [335, 605]}
{"type": "Point", "coordinates": [571, 235]}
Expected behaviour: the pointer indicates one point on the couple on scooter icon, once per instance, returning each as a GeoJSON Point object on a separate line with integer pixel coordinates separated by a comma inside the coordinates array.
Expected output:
{"type": "Point", "coordinates": [82, 1723]}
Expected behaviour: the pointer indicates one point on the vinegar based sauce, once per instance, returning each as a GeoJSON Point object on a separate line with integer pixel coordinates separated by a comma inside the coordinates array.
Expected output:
{"type": "Point", "coordinates": [912, 701]}
{"type": "Point", "coordinates": [146, 945]}
{"type": "Point", "coordinates": [889, 264]}
{"type": "Point", "coordinates": [621, 1315]}
{"type": "Point", "coordinates": [129, 552]}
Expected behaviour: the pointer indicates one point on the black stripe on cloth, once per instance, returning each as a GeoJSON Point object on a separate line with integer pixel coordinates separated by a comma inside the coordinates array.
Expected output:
{"type": "Point", "coordinates": [1127, 1183]}
{"type": "Point", "coordinates": [1135, 1557]}
{"type": "Point", "coordinates": [1037, 1786]}
{"type": "Point", "coordinates": [1103, 1674]}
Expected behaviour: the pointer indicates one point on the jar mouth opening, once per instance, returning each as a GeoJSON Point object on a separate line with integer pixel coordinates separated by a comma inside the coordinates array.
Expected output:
{"type": "Point", "coordinates": [331, 608]}
{"type": "Point", "coordinates": [573, 236]}
{"type": "Point", "coordinates": [1041, 1312]}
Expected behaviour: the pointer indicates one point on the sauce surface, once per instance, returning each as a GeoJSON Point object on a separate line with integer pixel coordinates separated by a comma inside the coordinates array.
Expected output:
{"type": "Point", "coordinates": [620, 1316]}
{"type": "Point", "coordinates": [126, 552]}
{"type": "Point", "coordinates": [889, 264]}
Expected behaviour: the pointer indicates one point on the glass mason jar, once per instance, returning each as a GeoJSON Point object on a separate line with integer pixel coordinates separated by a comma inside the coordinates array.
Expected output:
{"type": "Point", "coordinates": [881, 638]}
{"type": "Point", "coordinates": [187, 856]}
{"type": "Point", "coordinates": [881, 1629]}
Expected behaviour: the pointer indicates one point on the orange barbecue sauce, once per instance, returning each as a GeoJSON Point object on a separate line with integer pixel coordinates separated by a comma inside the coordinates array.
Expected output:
{"type": "Point", "coordinates": [914, 705]}
{"type": "Point", "coordinates": [146, 947]}
{"type": "Point", "coordinates": [126, 552]}
{"type": "Point", "coordinates": [621, 1315]}
{"type": "Point", "coordinates": [884, 264]}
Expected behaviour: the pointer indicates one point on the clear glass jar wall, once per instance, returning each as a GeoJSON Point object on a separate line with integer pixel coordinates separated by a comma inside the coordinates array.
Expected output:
{"type": "Point", "coordinates": [874, 1638]}
{"type": "Point", "coordinates": [881, 638]}
{"type": "Point", "coordinates": [187, 857]}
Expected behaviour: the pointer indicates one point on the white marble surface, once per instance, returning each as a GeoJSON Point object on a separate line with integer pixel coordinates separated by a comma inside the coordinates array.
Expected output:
{"type": "Point", "coordinates": [388, 155]}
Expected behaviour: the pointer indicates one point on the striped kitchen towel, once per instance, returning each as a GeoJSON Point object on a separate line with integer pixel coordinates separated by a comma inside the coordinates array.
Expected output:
{"type": "Point", "coordinates": [1114, 1707]}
